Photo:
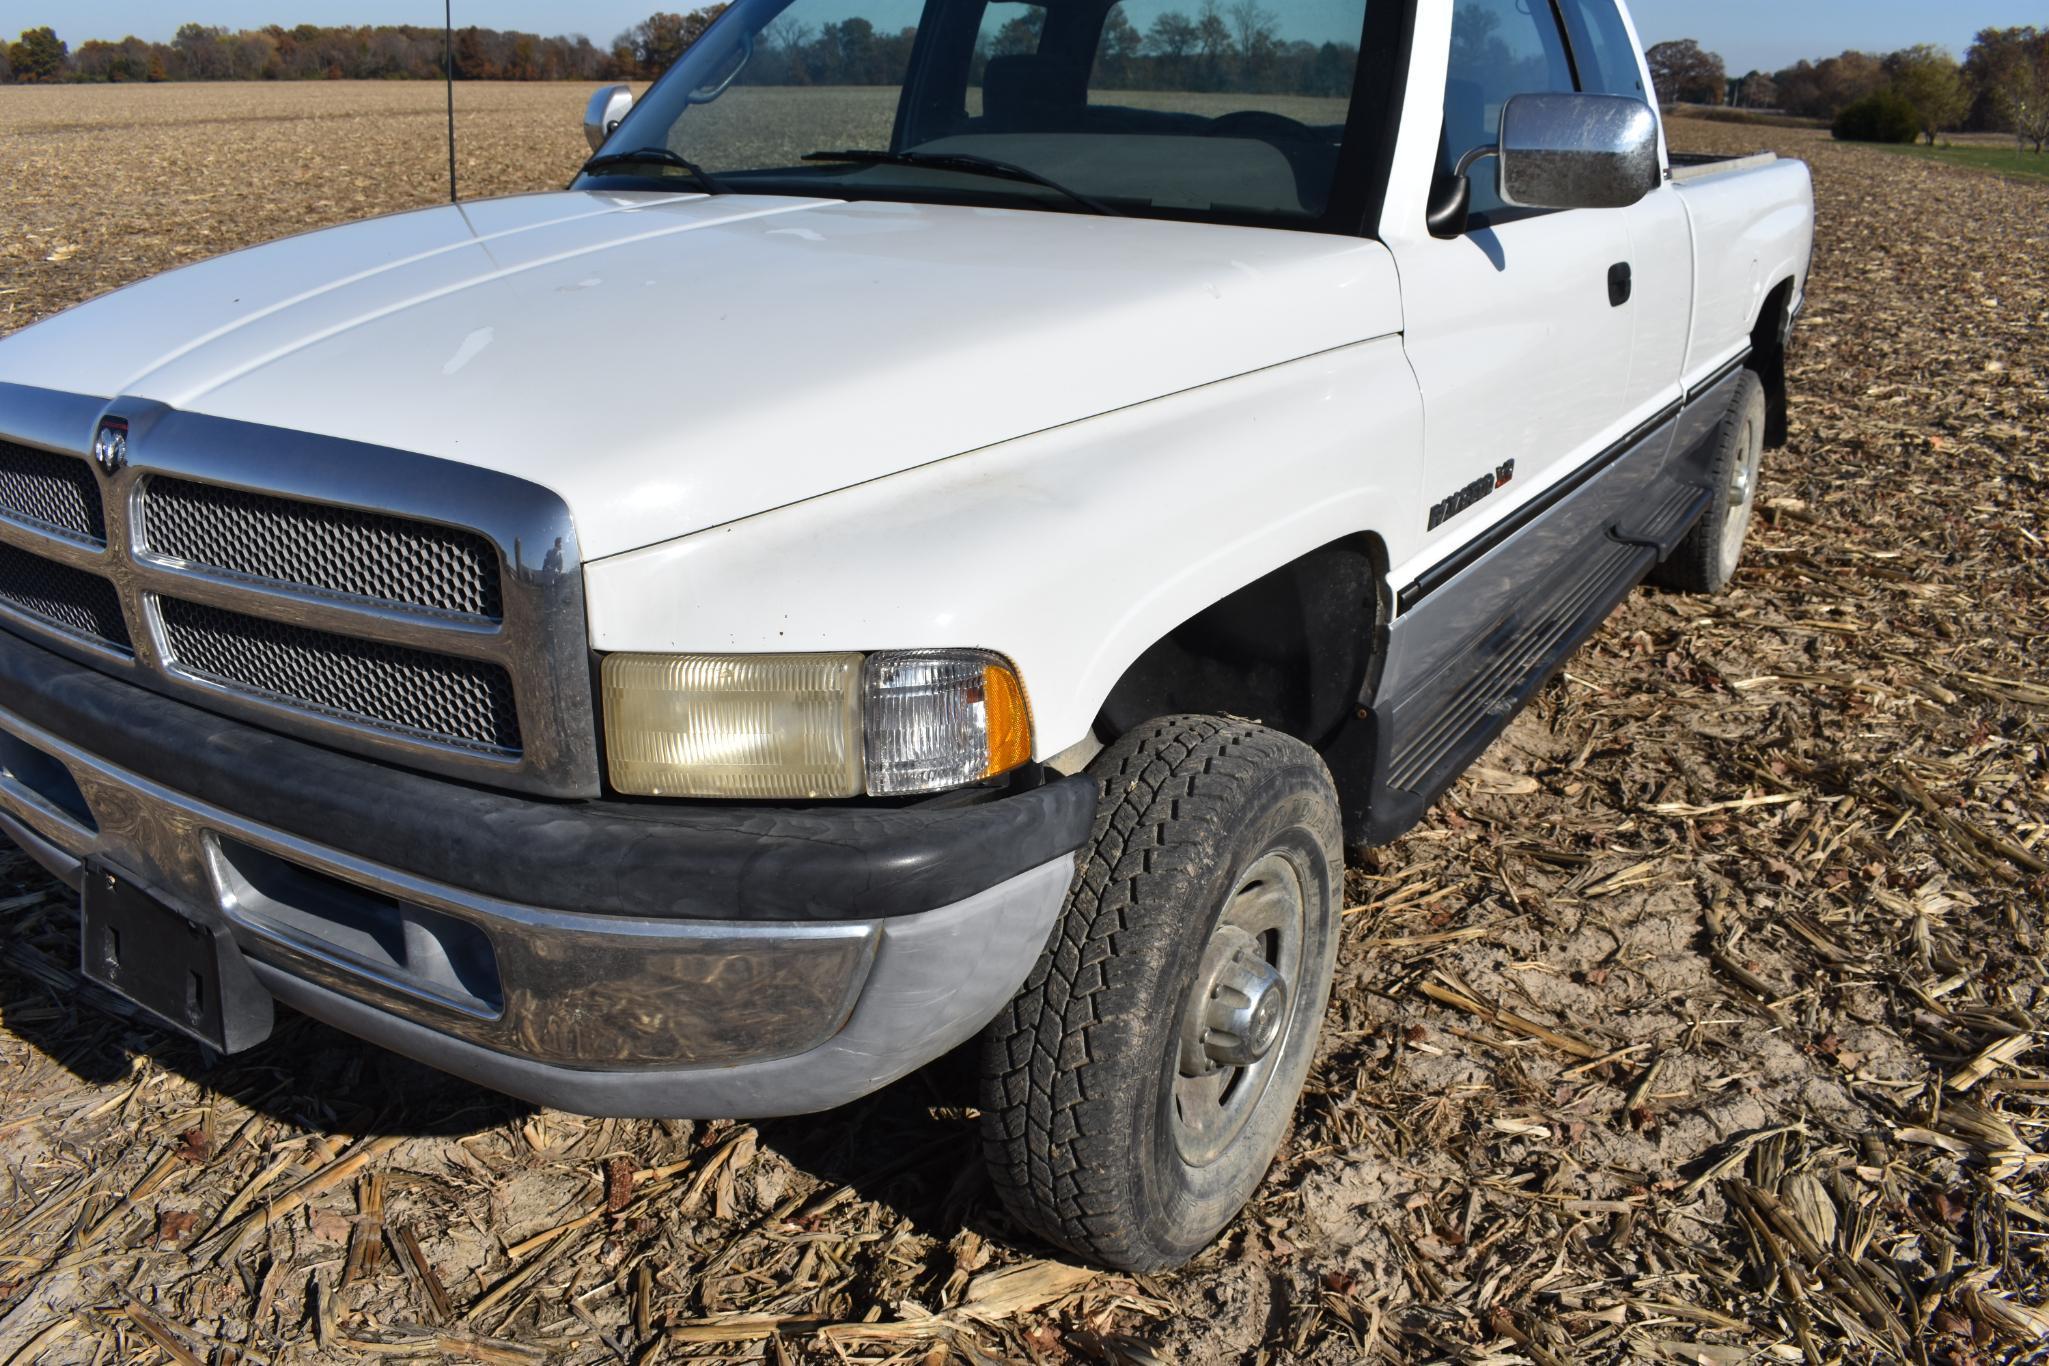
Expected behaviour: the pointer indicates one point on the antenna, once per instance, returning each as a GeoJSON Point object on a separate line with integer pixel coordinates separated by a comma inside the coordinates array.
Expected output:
{"type": "Point", "coordinates": [448, 60]}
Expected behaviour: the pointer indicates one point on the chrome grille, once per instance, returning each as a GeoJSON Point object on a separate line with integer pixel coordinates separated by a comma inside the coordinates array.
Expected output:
{"type": "Point", "coordinates": [391, 560]}
{"type": "Point", "coordinates": [72, 600]}
{"type": "Point", "coordinates": [434, 696]}
{"type": "Point", "coordinates": [417, 610]}
{"type": "Point", "coordinates": [54, 491]}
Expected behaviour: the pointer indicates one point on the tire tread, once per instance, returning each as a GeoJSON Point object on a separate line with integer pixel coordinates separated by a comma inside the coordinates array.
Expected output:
{"type": "Point", "coordinates": [1163, 786]}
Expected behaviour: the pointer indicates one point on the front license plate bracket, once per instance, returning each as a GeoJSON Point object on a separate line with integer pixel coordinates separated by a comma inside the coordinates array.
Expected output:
{"type": "Point", "coordinates": [186, 974]}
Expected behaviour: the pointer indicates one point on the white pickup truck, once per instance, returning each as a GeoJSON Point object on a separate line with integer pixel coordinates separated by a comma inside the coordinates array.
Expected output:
{"type": "Point", "coordinates": [951, 524]}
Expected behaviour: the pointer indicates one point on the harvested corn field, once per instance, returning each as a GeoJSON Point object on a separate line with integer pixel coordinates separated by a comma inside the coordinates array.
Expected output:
{"type": "Point", "coordinates": [1702, 1022]}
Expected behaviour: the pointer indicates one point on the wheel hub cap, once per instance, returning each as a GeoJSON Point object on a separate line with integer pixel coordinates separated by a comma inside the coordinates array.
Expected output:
{"type": "Point", "coordinates": [1248, 1003]}
{"type": "Point", "coordinates": [1235, 1017]}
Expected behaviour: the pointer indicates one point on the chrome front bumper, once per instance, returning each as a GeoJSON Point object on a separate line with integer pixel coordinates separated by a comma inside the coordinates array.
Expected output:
{"type": "Point", "coordinates": [604, 1013]}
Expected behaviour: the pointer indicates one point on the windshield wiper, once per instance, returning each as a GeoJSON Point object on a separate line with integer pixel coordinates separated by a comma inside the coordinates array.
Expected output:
{"type": "Point", "coordinates": [661, 156]}
{"type": "Point", "coordinates": [970, 164]}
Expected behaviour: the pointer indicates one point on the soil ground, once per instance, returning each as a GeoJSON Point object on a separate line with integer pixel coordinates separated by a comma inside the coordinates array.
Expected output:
{"type": "Point", "coordinates": [1699, 1023]}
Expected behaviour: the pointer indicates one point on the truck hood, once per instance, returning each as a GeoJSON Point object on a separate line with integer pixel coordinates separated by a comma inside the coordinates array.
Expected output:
{"type": "Point", "coordinates": [669, 363]}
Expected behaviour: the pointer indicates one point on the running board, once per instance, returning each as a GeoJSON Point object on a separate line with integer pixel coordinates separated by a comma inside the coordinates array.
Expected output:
{"type": "Point", "coordinates": [1456, 715]}
{"type": "Point", "coordinates": [1447, 721]}
{"type": "Point", "coordinates": [1471, 647]}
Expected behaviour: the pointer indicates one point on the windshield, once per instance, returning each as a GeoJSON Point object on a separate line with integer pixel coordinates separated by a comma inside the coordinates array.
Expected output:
{"type": "Point", "coordinates": [1146, 107]}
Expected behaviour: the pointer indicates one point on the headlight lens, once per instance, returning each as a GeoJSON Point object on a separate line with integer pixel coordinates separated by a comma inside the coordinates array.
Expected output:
{"type": "Point", "coordinates": [734, 725]}
{"type": "Point", "coordinates": [816, 725]}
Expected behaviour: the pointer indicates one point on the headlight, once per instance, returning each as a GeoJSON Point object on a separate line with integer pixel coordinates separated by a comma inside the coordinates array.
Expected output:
{"type": "Point", "coordinates": [734, 725]}
{"type": "Point", "coordinates": [817, 725]}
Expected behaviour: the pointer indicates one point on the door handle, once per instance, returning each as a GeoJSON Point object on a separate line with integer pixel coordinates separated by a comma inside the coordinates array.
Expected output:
{"type": "Point", "coordinates": [1620, 284]}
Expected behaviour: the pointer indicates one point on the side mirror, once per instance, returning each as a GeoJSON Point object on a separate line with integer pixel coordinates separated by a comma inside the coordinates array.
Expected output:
{"type": "Point", "coordinates": [1559, 151]}
{"type": "Point", "coordinates": [605, 112]}
{"type": "Point", "coordinates": [1577, 151]}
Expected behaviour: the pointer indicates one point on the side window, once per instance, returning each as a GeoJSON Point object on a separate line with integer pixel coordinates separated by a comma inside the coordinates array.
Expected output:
{"type": "Point", "coordinates": [1010, 28]}
{"type": "Point", "coordinates": [1601, 43]}
{"type": "Point", "coordinates": [1006, 68]}
{"type": "Point", "coordinates": [1499, 48]}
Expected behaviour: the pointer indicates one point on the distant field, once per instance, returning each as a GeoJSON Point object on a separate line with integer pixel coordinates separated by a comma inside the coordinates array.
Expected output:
{"type": "Point", "coordinates": [112, 182]}
{"type": "Point", "coordinates": [1767, 118]}
{"type": "Point", "coordinates": [2004, 160]}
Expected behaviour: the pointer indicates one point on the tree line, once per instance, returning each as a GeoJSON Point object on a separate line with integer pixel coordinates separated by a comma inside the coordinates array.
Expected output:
{"type": "Point", "coordinates": [1212, 47]}
{"type": "Point", "coordinates": [2002, 84]}
{"type": "Point", "coordinates": [1215, 48]}
{"type": "Point", "coordinates": [200, 52]}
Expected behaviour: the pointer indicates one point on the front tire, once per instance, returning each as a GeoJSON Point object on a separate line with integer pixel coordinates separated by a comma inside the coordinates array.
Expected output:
{"type": "Point", "coordinates": [1706, 560]}
{"type": "Point", "coordinates": [1136, 1089]}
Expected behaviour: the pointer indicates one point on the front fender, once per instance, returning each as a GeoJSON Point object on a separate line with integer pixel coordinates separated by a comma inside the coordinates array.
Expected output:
{"type": "Point", "coordinates": [1070, 551]}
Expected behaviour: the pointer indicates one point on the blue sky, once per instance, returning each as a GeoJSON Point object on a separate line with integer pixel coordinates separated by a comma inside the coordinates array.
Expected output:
{"type": "Point", "coordinates": [1748, 33]}
{"type": "Point", "coordinates": [1769, 34]}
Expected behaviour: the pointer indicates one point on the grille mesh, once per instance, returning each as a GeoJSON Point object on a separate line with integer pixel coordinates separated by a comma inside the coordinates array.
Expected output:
{"type": "Point", "coordinates": [71, 599]}
{"type": "Point", "coordinates": [466, 701]}
{"type": "Point", "coordinates": [335, 550]}
{"type": "Point", "coordinates": [54, 490]}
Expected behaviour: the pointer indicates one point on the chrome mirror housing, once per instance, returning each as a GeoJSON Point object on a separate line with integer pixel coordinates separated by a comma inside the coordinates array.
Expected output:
{"type": "Point", "coordinates": [1577, 151]}
{"type": "Point", "coordinates": [608, 107]}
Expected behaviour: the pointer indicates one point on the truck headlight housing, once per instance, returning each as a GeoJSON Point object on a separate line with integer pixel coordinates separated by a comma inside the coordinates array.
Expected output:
{"type": "Point", "coordinates": [893, 723]}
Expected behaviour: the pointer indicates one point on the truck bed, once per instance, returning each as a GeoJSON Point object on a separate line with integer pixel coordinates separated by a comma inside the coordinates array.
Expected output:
{"type": "Point", "coordinates": [1688, 166]}
{"type": "Point", "coordinates": [1753, 224]}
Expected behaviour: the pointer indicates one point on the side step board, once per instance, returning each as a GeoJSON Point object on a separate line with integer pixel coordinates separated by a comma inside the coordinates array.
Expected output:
{"type": "Point", "coordinates": [1451, 718]}
{"type": "Point", "coordinates": [1479, 637]}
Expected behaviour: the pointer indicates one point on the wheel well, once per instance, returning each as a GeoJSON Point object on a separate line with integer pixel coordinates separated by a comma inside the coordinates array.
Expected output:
{"type": "Point", "coordinates": [1768, 357]}
{"type": "Point", "coordinates": [1294, 649]}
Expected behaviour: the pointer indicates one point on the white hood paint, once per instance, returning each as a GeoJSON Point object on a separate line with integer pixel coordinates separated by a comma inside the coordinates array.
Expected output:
{"type": "Point", "coordinates": [668, 363]}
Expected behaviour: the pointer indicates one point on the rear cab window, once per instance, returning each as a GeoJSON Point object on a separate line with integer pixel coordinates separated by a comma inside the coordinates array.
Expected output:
{"type": "Point", "coordinates": [1603, 50]}
{"type": "Point", "coordinates": [1499, 49]}
{"type": "Point", "coordinates": [1201, 107]}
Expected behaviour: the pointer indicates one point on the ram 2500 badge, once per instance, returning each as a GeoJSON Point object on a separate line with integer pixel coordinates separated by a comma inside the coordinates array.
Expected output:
{"type": "Point", "coordinates": [712, 640]}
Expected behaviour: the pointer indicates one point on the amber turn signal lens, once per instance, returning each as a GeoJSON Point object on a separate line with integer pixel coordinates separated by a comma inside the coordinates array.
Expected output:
{"type": "Point", "coordinates": [1009, 723]}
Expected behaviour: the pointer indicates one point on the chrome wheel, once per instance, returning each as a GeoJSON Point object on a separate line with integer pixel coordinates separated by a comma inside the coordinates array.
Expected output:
{"type": "Point", "coordinates": [1236, 1019]}
{"type": "Point", "coordinates": [1744, 472]}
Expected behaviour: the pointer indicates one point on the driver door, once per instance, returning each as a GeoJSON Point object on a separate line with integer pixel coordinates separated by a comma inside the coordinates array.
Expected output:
{"type": "Point", "coordinates": [1519, 349]}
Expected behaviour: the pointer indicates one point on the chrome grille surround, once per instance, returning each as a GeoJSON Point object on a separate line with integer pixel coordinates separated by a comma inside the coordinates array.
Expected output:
{"type": "Point", "coordinates": [506, 697]}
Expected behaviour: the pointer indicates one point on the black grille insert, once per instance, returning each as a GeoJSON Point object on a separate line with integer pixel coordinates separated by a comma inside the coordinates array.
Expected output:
{"type": "Point", "coordinates": [54, 491]}
{"type": "Point", "coordinates": [464, 701]}
{"type": "Point", "coordinates": [58, 595]}
{"type": "Point", "coordinates": [329, 549]}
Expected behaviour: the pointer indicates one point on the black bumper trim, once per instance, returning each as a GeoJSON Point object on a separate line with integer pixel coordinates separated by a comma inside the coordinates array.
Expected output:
{"type": "Point", "coordinates": [727, 862]}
